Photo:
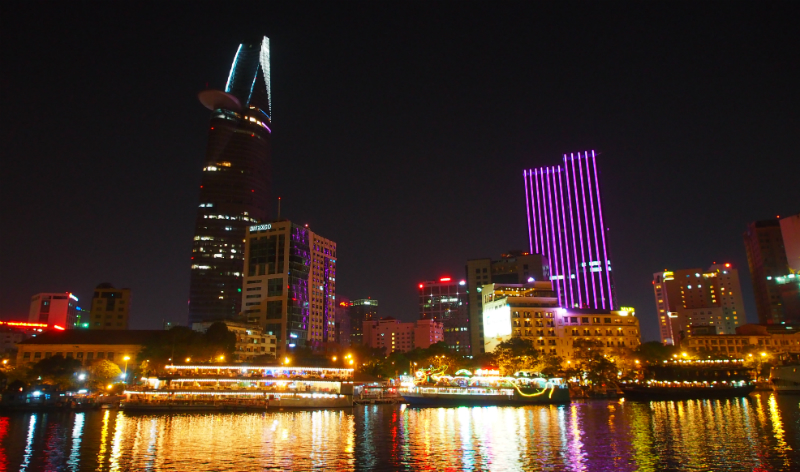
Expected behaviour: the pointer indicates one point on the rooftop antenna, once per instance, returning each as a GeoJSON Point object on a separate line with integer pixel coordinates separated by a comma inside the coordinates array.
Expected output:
{"type": "Point", "coordinates": [279, 208]}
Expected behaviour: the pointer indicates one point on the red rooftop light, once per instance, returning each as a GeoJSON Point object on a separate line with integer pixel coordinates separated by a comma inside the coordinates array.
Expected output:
{"type": "Point", "coordinates": [444, 279]}
{"type": "Point", "coordinates": [420, 285]}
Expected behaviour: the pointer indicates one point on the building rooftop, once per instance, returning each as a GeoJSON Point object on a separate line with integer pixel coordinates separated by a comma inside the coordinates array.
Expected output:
{"type": "Point", "coordinates": [80, 336]}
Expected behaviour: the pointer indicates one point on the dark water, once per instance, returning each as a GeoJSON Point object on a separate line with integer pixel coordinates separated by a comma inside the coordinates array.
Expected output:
{"type": "Point", "coordinates": [760, 432]}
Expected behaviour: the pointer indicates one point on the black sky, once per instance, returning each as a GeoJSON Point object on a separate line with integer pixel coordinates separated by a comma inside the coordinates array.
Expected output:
{"type": "Point", "coordinates": [400, 131]}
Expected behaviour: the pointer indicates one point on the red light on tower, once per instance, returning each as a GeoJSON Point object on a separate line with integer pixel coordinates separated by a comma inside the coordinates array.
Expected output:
{"type": "Point", "coordinates": [444, 279]}
{"type": "Point", "coordinates": [727, 265]}
{"type": "Point", "coordinates": [420, 285]}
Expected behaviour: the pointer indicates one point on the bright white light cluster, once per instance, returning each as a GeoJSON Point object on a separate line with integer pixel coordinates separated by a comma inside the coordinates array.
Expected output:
{"type": "Point", "coordinates": [233, 68]}
{"type": "Point", "coordinates": [265, 69]}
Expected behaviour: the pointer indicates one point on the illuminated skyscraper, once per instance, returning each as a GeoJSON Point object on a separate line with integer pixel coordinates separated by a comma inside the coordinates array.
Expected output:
{"type": "Point", "coordinates": [290, 284]}
{"type": "Point", "coordinates": [236, 183]}
{"type": "Point", "coordinates": [447, 302]}
{"type": "Point", "coordinates": [565, 225]}
{"type": "Point", "coordinates": [690, 298]}
{"type": "Point", "coordinates": [773, 248]}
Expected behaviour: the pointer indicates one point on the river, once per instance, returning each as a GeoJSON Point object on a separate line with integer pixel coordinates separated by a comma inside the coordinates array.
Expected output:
{"type": "Point", "coordinates": [759, 432]}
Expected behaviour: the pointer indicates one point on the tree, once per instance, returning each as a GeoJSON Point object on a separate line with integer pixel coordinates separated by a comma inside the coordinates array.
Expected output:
{"type": "Point", "coordinates": [550, 365]}
{"type": "Point", "coordinates": [599, 369]}
{"type": "Point", "coordinates": [514, 355]}
{"type": "Point", "coordinates": [180, 343]}
{"type": "Point", "coordinates": [105, 370]}
{"type": "Point", "coordinates": [654, 352]}
{"type": "Point", "coordinates": [56, 370]}
{"type": "Point", "coordinates": [585, 348]}
{"type": "Point", "coordinates": [221, 340]}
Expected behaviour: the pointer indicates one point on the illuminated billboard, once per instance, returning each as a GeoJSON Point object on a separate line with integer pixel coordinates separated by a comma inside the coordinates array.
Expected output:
{"type": "Point", "coordinates": [496, 323]}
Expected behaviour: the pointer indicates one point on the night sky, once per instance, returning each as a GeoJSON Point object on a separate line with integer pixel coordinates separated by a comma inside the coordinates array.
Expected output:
{"type": "Point", "coordinates": [400, 131]}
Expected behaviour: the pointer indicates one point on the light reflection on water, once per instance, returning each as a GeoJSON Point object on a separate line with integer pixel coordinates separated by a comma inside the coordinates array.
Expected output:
{"type": "Point", "coordinates": [759, 432]}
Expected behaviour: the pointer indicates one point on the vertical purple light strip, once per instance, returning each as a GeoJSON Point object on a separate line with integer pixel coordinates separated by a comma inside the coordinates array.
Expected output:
{"type": "Point", "coordinates": [550, 236]}
{"type": "Point", "coordinates": [603, 234]}
{"type": "Point", "coordinates": [565, 241]}
{"type": "Point", "coordinates": [594, 230]}
{"type": "Point", "coordinates": [556, 231]}
{"type": "Point", "coordinates": [528, 211]}
{"type": "Point", "coordinates": [539, 213]}
{"type": "Point", "coordinates": [572, 226]}
{"type": "Point", "coordinates": [580, 230]}
{"type": "Point", "coordinates": [588, 234]}
{"type": "Point", "coordinates": [535, 215]}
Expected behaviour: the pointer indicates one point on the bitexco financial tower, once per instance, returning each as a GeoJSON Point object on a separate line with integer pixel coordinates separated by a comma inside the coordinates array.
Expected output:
{"type": "Point", "coordinates": [236, 183]}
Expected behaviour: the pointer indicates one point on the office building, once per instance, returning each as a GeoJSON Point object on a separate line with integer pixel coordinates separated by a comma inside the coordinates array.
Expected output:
{"type": "Point", "coordinates": [749, 339]}
{"type": "Point", "coordinates": [86, 346]}
{"type": "Point", "coordinates": [290, 284]}
{"type": "Point", "coordinates": [775, 295]}
{"type": "Point", "coordinates": [531, 312]}
{"type": "Point", "coordinates": [235, 185]}
{"type": "Point", "coordinates": [57, 309]}
{"type": "Point", "coordinates": [690, 298]}
{"type": "Point", "coordinates": [252, 344]}
{"type": "Point", "coordinates": [565, 225]}
{"type": "Point", "coordinates": [515, 267]}
{"type": "Point", "coordinates": [342, 322]}
{"type": "Point", "coordinates": [111, 308]}
{"type": "Point", "coordinates": [790, 233]}
{"type": "Point", "coordinates": [394, 336]}
{"type": "Point", "coordinates": [446, 301]}
{"type": "Point", "coordinates": [507, 310]}
{"type": "Point", "coordinates": [364, 309]}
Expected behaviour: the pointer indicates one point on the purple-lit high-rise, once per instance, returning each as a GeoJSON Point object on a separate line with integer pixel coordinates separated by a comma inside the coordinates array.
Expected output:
{"type": "Point", "coordinates": [565, 225]}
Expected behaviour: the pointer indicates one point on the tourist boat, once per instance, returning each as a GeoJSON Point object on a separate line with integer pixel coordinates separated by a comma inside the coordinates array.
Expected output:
{"type": "Point", "coordinates": [485, 387]}
{"type": "Point", "coordinates": [690, 379]}
{"type": "Point", "coordinates": [785, 378]}
{"type": "Point", "coordinates": [242, 388]}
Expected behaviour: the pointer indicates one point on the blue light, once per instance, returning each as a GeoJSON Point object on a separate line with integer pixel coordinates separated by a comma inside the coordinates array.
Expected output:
{"type": "Point", "coordinates": [233, 68]}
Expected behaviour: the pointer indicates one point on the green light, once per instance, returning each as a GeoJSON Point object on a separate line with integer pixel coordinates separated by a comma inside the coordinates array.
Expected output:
{"type": "Point", "coordinates": [239, 289]}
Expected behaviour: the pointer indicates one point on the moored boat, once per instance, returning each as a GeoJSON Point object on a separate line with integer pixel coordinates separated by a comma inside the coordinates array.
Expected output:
{"type": "Point", "coordinates": [785, 378]}
{"type": "Point", "coordinates": [242, 388]}
{"type": "Point", "coordinates": [691, 379]}
{"type": "Point", "coordinates": [487, 388]}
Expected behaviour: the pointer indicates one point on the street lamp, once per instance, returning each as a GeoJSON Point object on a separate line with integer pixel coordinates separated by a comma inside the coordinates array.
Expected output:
{"type": "Point", "coordinates": [286, 360]}
{"type": "Point", "coordinates": [188, 360]}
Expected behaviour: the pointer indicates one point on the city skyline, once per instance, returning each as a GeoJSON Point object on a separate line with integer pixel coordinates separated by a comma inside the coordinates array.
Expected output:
{"type": "Point", "coordinates": [382, 151]}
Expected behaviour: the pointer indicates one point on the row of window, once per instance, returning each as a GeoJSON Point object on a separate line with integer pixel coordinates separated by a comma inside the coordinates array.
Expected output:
{"type": "Point", "coordinates": [69, 355]}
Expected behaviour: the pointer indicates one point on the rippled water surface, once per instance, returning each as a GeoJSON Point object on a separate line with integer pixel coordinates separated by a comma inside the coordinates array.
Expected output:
{"type": "Point", "coordinates": [760, 432]}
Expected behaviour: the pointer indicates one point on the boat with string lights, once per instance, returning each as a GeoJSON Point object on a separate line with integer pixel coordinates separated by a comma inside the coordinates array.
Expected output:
{"type": "Point", "coordinates": [485, 387]}
{"type": "Point", "coordinates": [236, 387]}
{"type": "Point", "coordinates": [692, 379]}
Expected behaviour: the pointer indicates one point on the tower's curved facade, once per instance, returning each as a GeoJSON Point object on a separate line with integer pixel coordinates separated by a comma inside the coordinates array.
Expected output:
{"type": "Point", "coordinates": [236, 183]}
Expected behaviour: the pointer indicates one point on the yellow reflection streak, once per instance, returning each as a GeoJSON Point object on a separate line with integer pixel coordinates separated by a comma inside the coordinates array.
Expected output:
{"type": "Point", "coordinates": [777, 426]}
{"type": "Point", "coordinates": [101, 454]}
{"type": "Point", "coordinates": [116, 446]}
